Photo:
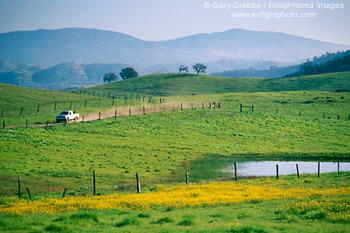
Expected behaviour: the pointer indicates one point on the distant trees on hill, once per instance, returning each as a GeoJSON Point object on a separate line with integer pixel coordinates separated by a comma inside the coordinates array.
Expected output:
{"type": "Point", "coordinates": [340, 62]}
{"type": "Point", "coordinates": [110, 77]}
{"type": "Point", "coordinates": [199, 68]}
{"type": "Point", "coordinates": [183, 69]}
{"type": "Point", "coordinates": [128, 72]}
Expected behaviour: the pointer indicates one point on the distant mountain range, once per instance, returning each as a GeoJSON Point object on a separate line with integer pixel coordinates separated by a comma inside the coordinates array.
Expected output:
{"type": "Point", "coordinates": [87, 46]}
{"type": "Point", "coordinates": [59, 55]}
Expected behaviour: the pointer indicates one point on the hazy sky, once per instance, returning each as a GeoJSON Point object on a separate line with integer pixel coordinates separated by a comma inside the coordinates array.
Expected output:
{"type": "Point", "coordinates": [169, 19]}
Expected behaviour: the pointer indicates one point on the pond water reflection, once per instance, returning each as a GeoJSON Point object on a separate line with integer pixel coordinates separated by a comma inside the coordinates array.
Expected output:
{"type": "Point", "coordinates": [268, 168]}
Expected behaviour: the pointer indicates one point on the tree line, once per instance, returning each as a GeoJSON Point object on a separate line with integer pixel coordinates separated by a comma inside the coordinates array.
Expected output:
{"type": "Point", "coordinates": [197, 68]}
{"type": "Point", "coordinates": [125, 73]}
{"type": "Point", "coordinates": [339, 63]}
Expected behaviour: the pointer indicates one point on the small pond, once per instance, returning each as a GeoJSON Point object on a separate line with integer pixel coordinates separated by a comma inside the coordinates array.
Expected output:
{"type": "Point", "coordinates": [268, 168]}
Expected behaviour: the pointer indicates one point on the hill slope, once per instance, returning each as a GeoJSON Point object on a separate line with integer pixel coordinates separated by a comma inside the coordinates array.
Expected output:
{"type": "Point", "coordinates": [187, 84]}
{"type": "Point", "coordinates": [59, 77]}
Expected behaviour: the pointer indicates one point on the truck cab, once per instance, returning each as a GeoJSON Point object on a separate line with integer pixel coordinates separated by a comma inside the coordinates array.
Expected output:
{"type": "Point", "coordinates": [67, 116]}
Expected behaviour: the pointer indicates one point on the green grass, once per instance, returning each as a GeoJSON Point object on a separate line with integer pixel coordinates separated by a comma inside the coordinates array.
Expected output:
{"type": "Point", "coordinates": [40, 106]}
{"type": "Point", "coordinates": [21, 106]}
{"type": "Point", "coordinates": [265, 216]}
{"type": "Point", "coordinates": [161, 146]}
{"type": "Point", "coordinates": [188, 84]}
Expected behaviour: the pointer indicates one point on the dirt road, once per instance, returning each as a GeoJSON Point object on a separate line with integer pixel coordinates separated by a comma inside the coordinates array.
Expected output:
{"type": "Point", "coordinates": [125, 111]}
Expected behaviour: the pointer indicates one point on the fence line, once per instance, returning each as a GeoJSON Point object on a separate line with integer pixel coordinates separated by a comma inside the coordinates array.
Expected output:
{"type": "Point", "coordinates": [186, 178]}
{"type": "Point", "coordinates": [70, 104]}
{"type": "Point", "coordinates": [131, 111]}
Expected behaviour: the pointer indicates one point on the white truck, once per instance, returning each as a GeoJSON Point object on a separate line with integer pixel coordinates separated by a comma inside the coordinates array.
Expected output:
{"type": "Point", "coordinates": [67, 116]}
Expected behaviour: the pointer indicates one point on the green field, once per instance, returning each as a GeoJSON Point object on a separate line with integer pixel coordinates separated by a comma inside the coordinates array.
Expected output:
{"type": "Point", "coordinates": [19, 105]}
{"type": "Point", "coordinates": [189, 84]}
{"type": "Point", "coordinates": [157, 144]}
{"type": "Point", "coordinates": [319, 212]}
{"type": "Point", "coordinates": [161, 146]}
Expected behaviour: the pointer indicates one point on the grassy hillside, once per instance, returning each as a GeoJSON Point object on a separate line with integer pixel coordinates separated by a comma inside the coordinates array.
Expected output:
{"type": "Point", "coordinates": [42, 105]}
{"type": "Point", "coordinates": [161, 145]}
{"type": "Point", "coordinates": [307, 205]}
{"type": "Point", "coordinates": [188, 84]}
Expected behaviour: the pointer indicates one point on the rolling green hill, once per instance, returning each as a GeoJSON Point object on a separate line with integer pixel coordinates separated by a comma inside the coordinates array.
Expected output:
{"type": "Point", "coordinates": [159, 145]}
{"type": "Point", "coordinates": [189, 84]}
{"type": "Point", "coordinates": [18, 104]}
{"type": "Point", "coordinates": [162, 146]}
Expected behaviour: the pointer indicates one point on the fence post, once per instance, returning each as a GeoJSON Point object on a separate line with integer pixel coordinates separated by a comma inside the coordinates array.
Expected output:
{"type": "Point", "coordinates": [71, 105]}
{"type": "Point", "coordinates": [20, 114]}
{"type": "Point", "coordinates": [129, 111]}
{"type": "Point", "coordinates": [338, 168]}
{"type": "Point", "coordinates": [300, 113]}
{"type": "Point", "coordinates": [99, 115]}
{"type": "Point", "coordinates": [30, 196]}
{"type": "Point", "coordinates": [47, 124]}
{"type": "Point", "coordinates": [187, 180]}
{"type": "Point", "coordinates": [55, 106]}
{"type": "Point", "coordinates": [37, 111]}
{"type": "Point", "coordinates": [181, 106]}
{"type": "Point", "coordinates": [277, 171]}
{"type": "Point", "coordinates": [113, 101]}
{"type": "Point", "coordinates": [144, 110]}
{"type": "Point", "coordinates": [64, 192]}
{"type": "Point", "coordinates": [318, 169]}
{"type": "Point", "coordinates": [252, 108]}
{"type": "Point", "coordinates": [138, 183]}
{"type": "Point", "coordinates": [276, 111]}
{"type": "Point", "coordinates": [297, 170]}
{"type": "Point", "coordinates": [115, 113]}
{"type": "Point", "coordinates": [19, 188]}
{"type": "Point", "coordinates": [27, 123]}
{"type": "Point", "coordinates": [338, 117]}
{"type": "Point", "coordinates": [83, 118]}
{"type": "Point", "coordinates": [3, 124]}
{"type": "Point", "coordinates": [219, 105]}
{"type": "Point", "coordinates": [241, 108]}
{"type": "Point", "coordinates": [94, 182]}
{"type": "Point", "coordinates": [324, 115]}
{"type": "Point", "coordinates": [235, 165]}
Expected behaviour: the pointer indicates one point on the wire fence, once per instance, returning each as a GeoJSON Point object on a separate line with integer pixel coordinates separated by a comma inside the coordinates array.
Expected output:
{"type": "Point", "coordinates": [276, 170]}
{"type": "Point", "coordinates": [55, 106]}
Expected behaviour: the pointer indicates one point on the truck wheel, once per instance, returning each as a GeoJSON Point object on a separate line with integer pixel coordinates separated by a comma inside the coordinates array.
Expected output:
{"type": "Point", "coordinates": [67, 120]}
{"type": "Point", "coordinates": [76, 119]}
